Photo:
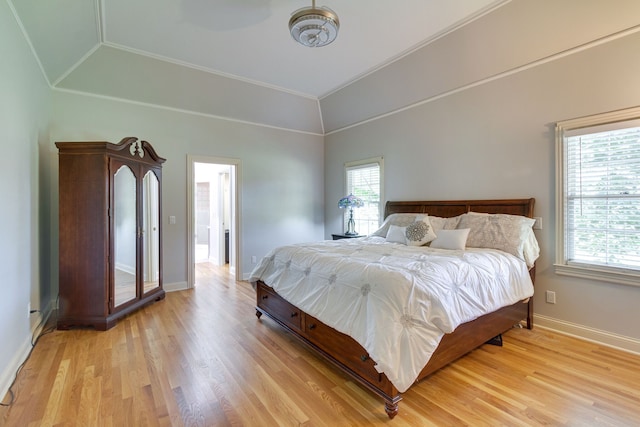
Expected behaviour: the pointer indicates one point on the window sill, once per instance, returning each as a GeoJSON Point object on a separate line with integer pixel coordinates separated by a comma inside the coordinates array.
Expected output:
{"type": "Point", "coordinates": [593, 273]}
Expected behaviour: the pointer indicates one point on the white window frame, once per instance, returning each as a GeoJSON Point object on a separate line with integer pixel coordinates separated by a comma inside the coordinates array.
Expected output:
{"type": "Point", "coordinates": [360, 163]}
{"type": "Point", "coordinates": [562, 266]}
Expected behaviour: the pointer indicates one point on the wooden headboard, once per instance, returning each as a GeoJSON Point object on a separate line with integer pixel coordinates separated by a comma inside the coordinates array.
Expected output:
{"type": "Point", "coordinates": [449, 208]}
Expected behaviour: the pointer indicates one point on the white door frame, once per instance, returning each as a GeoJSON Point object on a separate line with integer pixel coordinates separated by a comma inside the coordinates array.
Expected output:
{"type": "Point", "coordinates": [235, 226]}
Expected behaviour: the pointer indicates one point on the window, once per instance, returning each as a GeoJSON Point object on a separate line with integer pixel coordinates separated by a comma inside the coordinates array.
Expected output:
{"type": "Point", "coordinates": [598, 197]}
{"type": "Point", "coordinates": [364, 180]}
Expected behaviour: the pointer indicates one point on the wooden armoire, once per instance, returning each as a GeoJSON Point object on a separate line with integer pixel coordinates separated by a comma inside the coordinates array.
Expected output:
{"type": "Point", "coordinates": [110, 243]}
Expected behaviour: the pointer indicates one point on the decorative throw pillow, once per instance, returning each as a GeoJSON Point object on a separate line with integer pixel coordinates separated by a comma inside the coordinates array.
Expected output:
{"type": "Point", "coordinates": [505, 232]}
{"type": "Point", "coordinates": [420, 232]}
{"type": "Point", "coordinates": [396, 234]}
{"type": "Point", "coordinates": [451, 239]}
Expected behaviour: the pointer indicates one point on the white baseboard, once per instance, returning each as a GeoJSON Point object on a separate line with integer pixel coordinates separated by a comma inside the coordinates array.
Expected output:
{"type": "Point", "coordinates": [620, 342]}
{"type": "Point", "coordinates": [175, 286]}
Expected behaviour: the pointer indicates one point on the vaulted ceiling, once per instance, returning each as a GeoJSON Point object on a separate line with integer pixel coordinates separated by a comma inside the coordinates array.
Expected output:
{"type": "Point", "coordinates": [227, 58]}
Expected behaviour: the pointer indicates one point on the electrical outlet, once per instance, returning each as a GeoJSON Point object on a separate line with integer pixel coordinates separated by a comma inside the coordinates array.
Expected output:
{"type": "Point", "coordinates": [253, 259]}
{"type": "Point", "coordinates": [551, 297]}
{"type": "Point", "coordinates": [538, 224]}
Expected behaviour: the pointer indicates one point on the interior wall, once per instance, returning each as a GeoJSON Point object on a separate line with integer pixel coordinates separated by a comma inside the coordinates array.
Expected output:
{"type": "Point", "coordinates": [496, 140]}
{"type": "Point", "coordinates": [281, 187]}
{"type": "Point", "coordinates": [516, 33]}
{"type": "Point", "coordinates": [24, 250]}
{"type": "Point", "coordinates": [158, 82]}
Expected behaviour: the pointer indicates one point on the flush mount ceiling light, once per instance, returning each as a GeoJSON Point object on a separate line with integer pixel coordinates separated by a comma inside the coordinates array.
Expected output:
{"type": "Point", "coordinates": [314, 27]}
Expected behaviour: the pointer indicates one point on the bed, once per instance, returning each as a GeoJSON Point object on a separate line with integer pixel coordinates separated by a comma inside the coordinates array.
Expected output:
{"type": "Point", "coordinates": [310, 315]}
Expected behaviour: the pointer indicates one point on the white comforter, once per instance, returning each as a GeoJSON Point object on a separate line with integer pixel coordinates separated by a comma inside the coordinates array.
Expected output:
{"type": "Point", "coordinates": [396, 301]}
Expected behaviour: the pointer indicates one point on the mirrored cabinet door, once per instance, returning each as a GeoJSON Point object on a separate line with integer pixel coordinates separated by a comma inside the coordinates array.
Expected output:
{"type": "Point", "coordinates": [150, 231]}
{"type": "Point", "coordinates": [124, 236]}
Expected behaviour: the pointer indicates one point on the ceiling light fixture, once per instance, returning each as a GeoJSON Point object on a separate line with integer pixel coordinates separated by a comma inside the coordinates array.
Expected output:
{"type": "Point", "coordinates": [314, 27]}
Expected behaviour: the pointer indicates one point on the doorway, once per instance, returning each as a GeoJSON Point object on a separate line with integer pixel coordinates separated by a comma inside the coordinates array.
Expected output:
{"type": "Point", "coordinates": [213, 215]}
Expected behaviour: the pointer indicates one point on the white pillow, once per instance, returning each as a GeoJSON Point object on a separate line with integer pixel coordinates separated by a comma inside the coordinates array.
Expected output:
{"type": "Point", "coordinates": [396, 234]}
{"type": "Point", "coordinates": [451, 239]}
{"type": "Point", "coordinates": [498, 231]}
{"type": "Point", "coordinates": [420, 232]}
{"type": "Point", "coordinates": [399, 219]}
{"type": "Point", "coordinates": [530, 249]}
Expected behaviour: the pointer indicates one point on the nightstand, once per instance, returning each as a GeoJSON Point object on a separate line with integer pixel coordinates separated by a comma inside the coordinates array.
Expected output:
{"type": "Point", "coordinates": [345, 236]}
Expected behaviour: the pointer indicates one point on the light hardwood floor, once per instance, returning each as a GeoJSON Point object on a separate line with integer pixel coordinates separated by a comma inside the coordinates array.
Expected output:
{"type": "Point", "coordinates": [201, 358]}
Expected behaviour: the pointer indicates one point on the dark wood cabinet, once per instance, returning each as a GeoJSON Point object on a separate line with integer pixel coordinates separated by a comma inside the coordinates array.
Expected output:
{"type": "Point", "coordinates": [110, 239]}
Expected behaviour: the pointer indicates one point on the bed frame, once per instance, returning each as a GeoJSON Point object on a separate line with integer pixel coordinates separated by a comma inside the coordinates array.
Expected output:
{"type": "Point", "coordinates": [348, 356]}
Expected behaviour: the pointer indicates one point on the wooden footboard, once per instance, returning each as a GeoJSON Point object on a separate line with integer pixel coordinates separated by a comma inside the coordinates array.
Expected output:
{"type": "Point", "coordinates": [339, 349]}
{"type": "Point", "coordinates": [349, 356]}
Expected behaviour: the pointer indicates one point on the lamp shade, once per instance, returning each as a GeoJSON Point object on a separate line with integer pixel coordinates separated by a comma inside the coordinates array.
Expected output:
{"type": "Point", "coordinates": [350, 201]}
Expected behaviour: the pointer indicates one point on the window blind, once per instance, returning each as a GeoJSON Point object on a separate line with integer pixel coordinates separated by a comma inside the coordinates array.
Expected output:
{"type": "Point", "coordinates": [363, 181]}
{"type": "Point", "coordinates": [602, 195]}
